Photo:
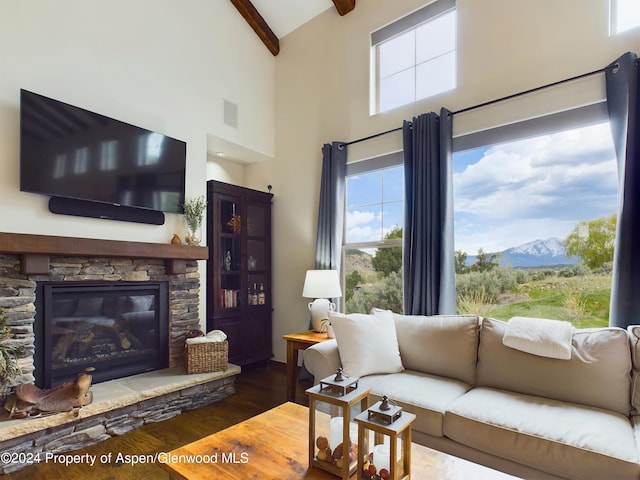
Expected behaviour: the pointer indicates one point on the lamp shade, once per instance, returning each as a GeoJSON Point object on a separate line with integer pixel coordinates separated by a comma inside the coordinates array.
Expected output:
{"type": "Point", "coordinates": [321, 284]}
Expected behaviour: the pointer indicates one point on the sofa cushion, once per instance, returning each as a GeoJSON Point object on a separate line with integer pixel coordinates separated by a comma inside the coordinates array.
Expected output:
{"type": "Point", "coordinates": [634, 337]}
{"type": "Point", "coordinates": [426, 396]}
{"type": "Point", "coordinates": [444, 345]}
{"type": "Point", "coordinates": [367, 343]}
{"type": "Point", "coordinates": [568, 440]}
{"type": "Point", "coordinates": [599, 357]}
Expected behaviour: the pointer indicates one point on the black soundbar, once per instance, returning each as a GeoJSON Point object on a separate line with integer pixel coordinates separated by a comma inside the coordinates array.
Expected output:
{"type": "Point", "coordinates": [86, 208]}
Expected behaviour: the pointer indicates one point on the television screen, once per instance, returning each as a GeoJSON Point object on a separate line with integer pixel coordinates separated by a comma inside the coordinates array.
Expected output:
{"type": "Point", "coordinates": [66, 151]}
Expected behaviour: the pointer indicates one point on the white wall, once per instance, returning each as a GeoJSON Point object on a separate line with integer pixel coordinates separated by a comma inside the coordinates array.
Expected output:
{"type": "Point", "coordinates": [168, 66]}
{"type": "Point", "coordinates": [322, 78]}
{"type": "Point", "coordinates": [160, 64]}
{"type": "Point", "coordinates": [227, 171]}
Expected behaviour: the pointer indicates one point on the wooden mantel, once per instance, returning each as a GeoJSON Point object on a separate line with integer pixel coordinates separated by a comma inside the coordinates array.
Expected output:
{"type": "Point", "coordinates": [35, 251]}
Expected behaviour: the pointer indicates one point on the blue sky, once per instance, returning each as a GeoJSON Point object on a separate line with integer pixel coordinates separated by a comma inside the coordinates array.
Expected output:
{"type": "Point", "coordinates": [537, 188]}
{"type": "Point", "coordinates": [504, 195]}
{"type": "Point", "coordinates": [374, 204]}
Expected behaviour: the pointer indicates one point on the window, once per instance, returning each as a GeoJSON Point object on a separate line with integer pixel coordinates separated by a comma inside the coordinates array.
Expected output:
{"type": "Point", "coordinates": [150, 149]}
{"type": "Point", "coordinates": [523, 197]}
{"type": "Point", "coordinates": [372, 250]}
{"type": "Point", "coordinates": [625, 15]}
{"type": "Point", "coordinates": [80, 160]}
{"type": "Point", "coordinates": [109, 155]}
{"type": "Point", "coordinates": [415, 57]}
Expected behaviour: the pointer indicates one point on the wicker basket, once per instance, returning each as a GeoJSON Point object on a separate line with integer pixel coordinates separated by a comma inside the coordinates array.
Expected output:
{"type": "Point", "coordinates": [206, 357]}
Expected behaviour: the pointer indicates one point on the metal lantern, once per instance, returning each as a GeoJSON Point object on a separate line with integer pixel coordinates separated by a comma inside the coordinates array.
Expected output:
{"type": "Point", "coordinates": [333, 404]}
{"type": "Point", "coordinates": [390, 455]}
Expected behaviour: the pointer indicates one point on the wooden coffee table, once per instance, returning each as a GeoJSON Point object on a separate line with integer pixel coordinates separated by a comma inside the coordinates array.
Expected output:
{"type": "Point", "coordinates": [273, 445]}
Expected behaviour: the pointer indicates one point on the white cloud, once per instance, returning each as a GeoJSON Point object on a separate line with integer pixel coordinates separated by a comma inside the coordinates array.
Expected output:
{"type": "Point", "coordinates": [363, 226]}
{"type": "Point", "coordinates": [358, 217]}
{"type": "Point", "coordinates": [534, 188]}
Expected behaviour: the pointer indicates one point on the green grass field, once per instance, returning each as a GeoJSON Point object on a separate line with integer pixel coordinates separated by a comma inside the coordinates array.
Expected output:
{"type": "Point", "coordinates": [582, 300]}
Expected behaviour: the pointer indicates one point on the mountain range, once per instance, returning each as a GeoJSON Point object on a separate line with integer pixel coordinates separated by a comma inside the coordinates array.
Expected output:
{"type": "Point", "coordinates": [538, 253]}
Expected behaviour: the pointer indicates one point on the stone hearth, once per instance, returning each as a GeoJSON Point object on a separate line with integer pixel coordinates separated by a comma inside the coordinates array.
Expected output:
{"type": "Point", "coordinates": [118, 407]}
{"type": "Point", "coordinates": [122, 404]}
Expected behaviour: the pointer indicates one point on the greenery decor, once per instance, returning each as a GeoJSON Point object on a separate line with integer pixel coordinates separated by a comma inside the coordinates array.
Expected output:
{"type": "Point", "coordinates": [193, 210]}
{"type": "Point", "coordinates": [9, 368]}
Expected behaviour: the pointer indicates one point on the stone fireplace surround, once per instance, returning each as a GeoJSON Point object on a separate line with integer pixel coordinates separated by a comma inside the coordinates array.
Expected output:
{"type": "Point", "coordinates": [119, 405]}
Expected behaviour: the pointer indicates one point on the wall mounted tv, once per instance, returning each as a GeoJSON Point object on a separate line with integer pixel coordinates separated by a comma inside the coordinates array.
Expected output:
{"type": "Point", "coordinates": [98, 165]}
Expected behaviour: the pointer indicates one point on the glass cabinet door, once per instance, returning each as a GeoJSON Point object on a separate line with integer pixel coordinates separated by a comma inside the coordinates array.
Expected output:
{"type": "Point", "coordinates": [230, 254]}
{"type": "Point", "coordinates": [256, 255]}
{"type": "Point", "coordinates": [256, 220]}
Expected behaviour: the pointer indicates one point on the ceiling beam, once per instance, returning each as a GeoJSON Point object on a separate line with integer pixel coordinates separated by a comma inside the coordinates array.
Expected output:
{"type": "Point", "coordinates": [262, 29]}
{"type": "Point", "coordinates": [344, 6]}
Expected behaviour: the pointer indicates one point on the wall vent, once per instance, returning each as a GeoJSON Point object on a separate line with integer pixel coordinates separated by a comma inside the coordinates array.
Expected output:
{"type": "Point", "coordinates": [230, 114]}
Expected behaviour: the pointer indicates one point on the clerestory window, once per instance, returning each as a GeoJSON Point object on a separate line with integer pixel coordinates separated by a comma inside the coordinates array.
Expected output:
{"type": "Point", "coordinates": [624, 14]}
{"type": "Point", "coordinates": [414, 57]}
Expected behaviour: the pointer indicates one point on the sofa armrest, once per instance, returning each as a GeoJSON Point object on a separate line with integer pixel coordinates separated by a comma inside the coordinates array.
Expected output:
{"type": "Point", "coordinates": [322, 359]}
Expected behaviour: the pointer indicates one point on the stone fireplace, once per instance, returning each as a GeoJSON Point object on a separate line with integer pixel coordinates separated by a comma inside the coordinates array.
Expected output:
{"type": "Point", "coordinates": [27, 261]}
{"type": "Point", "coordinates": [158, 277]}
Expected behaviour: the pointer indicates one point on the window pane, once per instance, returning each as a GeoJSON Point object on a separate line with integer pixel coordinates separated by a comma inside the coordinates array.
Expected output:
{"type": "Point", "coordinates": [397, 54]}
{"type": "Point", "coordinates": [374, 217]}
{"type": "Point", "coordinates": [436, 76]}
{"type": "Point", "coordinates": [517, 207]}
{"type": "Point", "coordinates": [436, 37]}
{"type": "Point", "coordinates": [416, 64]}
{"type": "Point", "coordinates": [396, 90]}
{"type": "Point", "coordinates": [627, 15]}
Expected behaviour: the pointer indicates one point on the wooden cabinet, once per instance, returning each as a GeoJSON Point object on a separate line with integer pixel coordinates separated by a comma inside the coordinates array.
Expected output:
{"type": "Point", "coordinates": [239, 287]}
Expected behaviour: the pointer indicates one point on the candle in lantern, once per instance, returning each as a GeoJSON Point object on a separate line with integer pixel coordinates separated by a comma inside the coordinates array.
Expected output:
{"type": "Point", "coordinates": [381, 456]}
{"type": "Point", "coordinates": [335, 432]}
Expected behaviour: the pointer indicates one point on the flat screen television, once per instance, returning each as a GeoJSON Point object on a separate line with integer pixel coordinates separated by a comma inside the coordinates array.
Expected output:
{"type": "Point", "coordinates": [72, 153]}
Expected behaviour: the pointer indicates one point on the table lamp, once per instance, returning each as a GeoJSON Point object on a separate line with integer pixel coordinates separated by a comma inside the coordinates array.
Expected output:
{"type": "Point", "coordinates": [321, 285]}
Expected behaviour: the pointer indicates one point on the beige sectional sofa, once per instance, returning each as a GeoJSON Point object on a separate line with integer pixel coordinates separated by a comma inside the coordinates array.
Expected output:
{"type": "Point", "coordinates": [525, 414]}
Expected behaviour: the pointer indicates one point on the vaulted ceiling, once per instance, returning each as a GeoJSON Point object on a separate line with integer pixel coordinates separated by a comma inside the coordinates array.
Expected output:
{"type": "Point", "coordinates": [284, 15]}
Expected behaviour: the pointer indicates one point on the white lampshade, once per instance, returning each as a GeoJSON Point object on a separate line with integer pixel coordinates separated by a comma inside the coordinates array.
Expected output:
{"type": "Point", "coordinates": [321, 284]}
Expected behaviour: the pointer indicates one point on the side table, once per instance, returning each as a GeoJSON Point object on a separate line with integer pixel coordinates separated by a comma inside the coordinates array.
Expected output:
{"type": "Point", "coordinates": [295, 342]}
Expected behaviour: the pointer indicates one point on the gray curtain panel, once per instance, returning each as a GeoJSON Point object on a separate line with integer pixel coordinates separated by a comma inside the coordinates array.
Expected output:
{"type": "Point", "coordinates": [622, 102]}
{"type": "Point", "coordinates": [331, 210]}
{"type": "Point", "coordinates": [428, 251]}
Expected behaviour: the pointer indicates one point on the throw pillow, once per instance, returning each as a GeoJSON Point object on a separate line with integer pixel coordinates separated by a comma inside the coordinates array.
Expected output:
{"type": "Point", "coordinates": [367, 343]}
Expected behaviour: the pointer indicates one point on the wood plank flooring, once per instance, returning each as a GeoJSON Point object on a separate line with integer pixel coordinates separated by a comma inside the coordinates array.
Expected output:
{"type": "Point", "coordinates": [258, 389]}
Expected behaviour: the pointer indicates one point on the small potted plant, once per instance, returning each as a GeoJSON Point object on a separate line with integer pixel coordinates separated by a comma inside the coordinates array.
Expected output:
{"type": "Point", "coordinates": [193, 210]}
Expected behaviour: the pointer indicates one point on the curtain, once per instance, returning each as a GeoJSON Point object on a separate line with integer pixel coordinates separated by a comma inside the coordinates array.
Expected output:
{"type": "Point", "coordinates": [428, 255]}
{"type": "Point", "coordinates": [331, 210]}
{"type": "Point", "coordinates": [622, 103]}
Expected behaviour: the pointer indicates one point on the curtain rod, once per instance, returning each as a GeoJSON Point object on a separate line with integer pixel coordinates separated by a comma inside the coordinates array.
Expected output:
{"type": "Point", "coordinates": [497, 100]}
{"type": "Point", "coordinates": [536, 89]}
{"type": "Point", "coordinates": [372, 136]}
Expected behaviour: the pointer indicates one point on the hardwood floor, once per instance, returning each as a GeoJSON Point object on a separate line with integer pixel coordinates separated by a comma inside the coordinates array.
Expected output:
{"type": "Point", "coordinates": [258, 389]}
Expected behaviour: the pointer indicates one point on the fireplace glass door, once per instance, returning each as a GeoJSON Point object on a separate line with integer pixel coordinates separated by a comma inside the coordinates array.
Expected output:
{"type": "Point", "coordinates": [119, 328]}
